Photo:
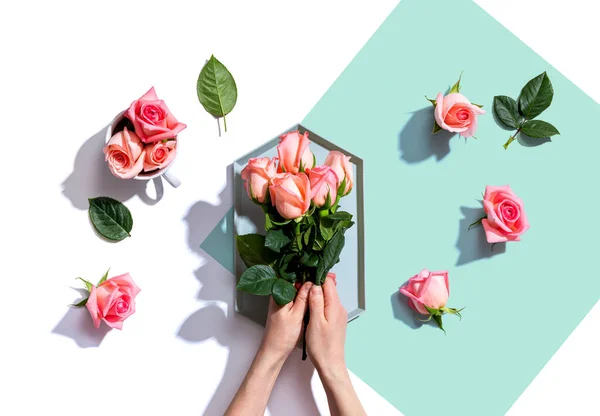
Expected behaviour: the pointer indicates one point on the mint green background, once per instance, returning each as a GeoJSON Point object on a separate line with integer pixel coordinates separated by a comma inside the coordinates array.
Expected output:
{"type": "Point", "coordinates": [521, 303]}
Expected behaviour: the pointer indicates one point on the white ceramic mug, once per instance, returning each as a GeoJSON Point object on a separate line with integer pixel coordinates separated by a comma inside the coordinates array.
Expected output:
{"type": "Point", "coordinates": [169, 177]}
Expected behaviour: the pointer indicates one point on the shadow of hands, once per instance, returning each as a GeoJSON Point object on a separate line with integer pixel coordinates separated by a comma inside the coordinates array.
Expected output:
{"type": "Point", "coordinates": [416, 143]}
{"type": "Point", "coordinates": [472, 243]}
{"type": "Point", "coordinates": [92, 178]}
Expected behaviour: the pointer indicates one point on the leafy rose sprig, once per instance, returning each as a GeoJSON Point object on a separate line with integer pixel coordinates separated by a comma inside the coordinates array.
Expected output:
{"type": "Point", "coordinates": [535, 97]}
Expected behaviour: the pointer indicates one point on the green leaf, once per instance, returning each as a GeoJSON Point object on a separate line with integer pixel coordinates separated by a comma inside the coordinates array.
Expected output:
{"type": "Point", "coordinates": [326, 231]}
{"type": "Point", "coordinates": [436, 128]}
{"type": "Point", "coordinates": [536, 96]}
{"type": "Point", "coordinates": [216, 89]}
{"type": "Point", "coordinates": [306, 236]}
{"type": "Point", "coordinates": [253, 251]}
{"type": "Point", "coordinates": [276, 240]}
{"type": "Point", "coordinates": [506, 111]}
{"type": "Point", "coordinates": [110, 218]}
{"type": "Point", "coordinates": [257, 280]}
{"type": "Point", "coordinates": [268, 223]}
{"type": "Point", "coordinates": [290, 277]}
{"type": "Point", "coordinates": [538, 129]}
{"type": "Point", "coordinates": [313, 261]}
{"type": "Point", "coordinates": [283, 292]}
{"type": "Point", "coordinates": [338, 216]}
{"type": "Point", "coordinates": [456, 87]}
{"type": "Point", "coordinates": [275, 221]}
{"type": "Point", "coordinates": [87, 284]}
{"type": "Point", "coordinates": [80, 304]}
{"type": "Point", "coordinates": [438, 321]}
{"type": "Point", "coordinates": [331, 255]}
{"type": "Point", "coordinates": [103, 278]}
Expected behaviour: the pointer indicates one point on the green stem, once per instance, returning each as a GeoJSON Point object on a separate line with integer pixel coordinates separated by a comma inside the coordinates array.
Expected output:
{"type": "Point", "coordinates": [478, 222]}
{"type": "Point", "coordinates": [512, 138]}
{"type": "Point", "coordinates": [306, 321]}
{"type": "Point", "coordinates": [323, 213]}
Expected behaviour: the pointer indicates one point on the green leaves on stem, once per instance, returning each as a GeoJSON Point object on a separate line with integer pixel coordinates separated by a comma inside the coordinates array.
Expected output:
{"type": "Point", "coordinates": [216, 89]}
{"type": "Point", "coordinates": [535, 97]}
{"type": "Point", "coordinates": [110, 218]}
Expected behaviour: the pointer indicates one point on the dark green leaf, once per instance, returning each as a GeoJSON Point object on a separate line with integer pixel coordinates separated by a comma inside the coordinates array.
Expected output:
{"type": "Point", "coordinates": [297, 243]}
{"type": "Point", "coordinates": [268, 223]}
{"type": "Point", "coordinates": [253, 251]}
{"type": "Point", "coordinates": [538, 129]}
{"type": "Point", "coordinates": [80, 304]}
{"type": "Point", "coordinates": [313, 261]}
{"type": "Point", "coordinates": [507, 112]}
{"type": "Point", "coordinates": [87, 284]}
{"type": "Point", "coordinates": [276, 240]}
{"type": "Point", "coordinates": [216, 89]}
{"type": "Point", "coordinates": [257, 280]}
{"type": "Point", "coordinates": [535, 96]}
{"type": "Point", "coordinates": [438, 321]}
{"type": "Point", "coordinates": [104, 277]}
{"type": "Point", "coordinates": [277, 221]}
{"type": "Point", "coordinates": [338, 216]}
{"type": "Point", "coordinates": [283, 292]}
{"type": "Point", "coordinates": [110, 218]}
{"type": "Point", "coordinates": [290, 277]}
{"type": "Point", "coordinates": [331, 255]}
{"type": "Point", "coordinates": [326, 232]}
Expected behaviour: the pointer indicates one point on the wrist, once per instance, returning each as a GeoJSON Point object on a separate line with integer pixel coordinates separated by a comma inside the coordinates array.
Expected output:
{"type": "Point", "coordinates": [333, 372]}
{"type": "Point", "coordinates": [272, 356]}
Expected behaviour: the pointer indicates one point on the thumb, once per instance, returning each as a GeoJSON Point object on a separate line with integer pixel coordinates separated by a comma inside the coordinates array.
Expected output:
{"type": "Point", "coordinates": [301, 300]}
{"type": "Point", "coordinates": [316, 302]}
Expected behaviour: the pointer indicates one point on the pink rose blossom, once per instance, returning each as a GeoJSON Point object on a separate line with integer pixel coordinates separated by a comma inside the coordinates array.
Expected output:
{"type": "Point", "coordinates": [430, 289]}
{"type": "Point", "coordinates": [293, 152]}
{"type": "Point", "coordinates": [290, 194]}
{"type": "Point", "coordinates": [323, 183]}
{"type": "Point", "coordinates": [125, 154]}
{"type": "Point", "coordinates": [455, 113]}
{"type": "Point", "coordinates": [506, 219]}
{"type": "Point", "coordinates": [340, 163]}
{"type": "Point", "coordinates": [257, 175]}
{"type": "Point", "coordinates": [152, 119]}
{"type": "Point", "coordinates": [113, 301]}
{"type": "Point", "coordinates": [159, 155]}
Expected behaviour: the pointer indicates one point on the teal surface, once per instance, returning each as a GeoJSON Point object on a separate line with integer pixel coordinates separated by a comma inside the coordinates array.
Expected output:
{"type": "Point", "coordinates": [421, 192]}
{"type": "Point", "coordinates": [219, 242]}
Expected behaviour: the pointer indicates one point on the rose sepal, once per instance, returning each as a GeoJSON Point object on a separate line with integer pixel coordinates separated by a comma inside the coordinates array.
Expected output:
{"type": "Point", "coordinates": [88, 287]}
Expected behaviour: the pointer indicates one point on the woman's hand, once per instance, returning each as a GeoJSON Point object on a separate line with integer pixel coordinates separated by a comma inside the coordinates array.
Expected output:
{"type": "Point", "coordinates": [284, 324]}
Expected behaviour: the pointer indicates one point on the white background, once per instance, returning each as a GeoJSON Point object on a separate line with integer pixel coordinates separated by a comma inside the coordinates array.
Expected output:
{"type": "Point", "coordinates": [67, 69]}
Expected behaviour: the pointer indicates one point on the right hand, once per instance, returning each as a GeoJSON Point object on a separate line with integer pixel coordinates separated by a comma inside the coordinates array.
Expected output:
{"type": "Point", "coordinates": [326, 332]}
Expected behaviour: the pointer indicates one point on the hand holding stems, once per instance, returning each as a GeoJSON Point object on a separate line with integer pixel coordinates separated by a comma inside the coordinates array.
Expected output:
{"type": "Point", "coordinates": [284, 326]}
{"type": "Point", "coordinates": [325, 337]}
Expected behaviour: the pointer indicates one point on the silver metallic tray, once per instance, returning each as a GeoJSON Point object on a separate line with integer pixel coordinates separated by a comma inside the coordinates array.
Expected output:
{"type": "Point", "coordinates": [249, 218]}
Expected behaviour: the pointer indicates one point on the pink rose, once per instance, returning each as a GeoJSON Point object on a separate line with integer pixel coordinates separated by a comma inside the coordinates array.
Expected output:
{"type": "Point", "coordinates": [256, 175]}
{"type": "Point", "coordinates": [290, 194]}
{"type": "Point", "coordinates": [323, 183]}
{"type": "Point", "coordinates": [294, 153]}
{"type": "Point", "coordinates": [125, 154]}
{"type": "Point", "coordinates": [506, 219]}
{"type": "Point", "coordinates": [455, 113]}
{"type": "Point", "coordinates": [113, 301]}
{"type": "Point", "coordinates": [340, 163]}
{"type": "Point", "coordinates": [152, 119]}
{"type": "Point", "coordinates": [159, 155]}
{"type": "Point", "coordinates": [427, 288]}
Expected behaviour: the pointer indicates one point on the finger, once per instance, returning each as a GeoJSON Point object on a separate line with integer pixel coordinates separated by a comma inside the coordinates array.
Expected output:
{"type": "Point", "coordinates": [316, 303]}
{"type": "Point", "coordinates": [299, 306]}
{"type": "Point", "coordinates": [330, 293]}
{"type": "Point", "coordinates": [274, 307]}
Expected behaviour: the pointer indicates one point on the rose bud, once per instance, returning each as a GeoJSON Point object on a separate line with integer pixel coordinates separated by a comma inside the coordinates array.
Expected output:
{"type": "Point", "coordinates": [324, 185]}
{"type": "Point", "coordinates": [256, 175]}
{"type": "Point", "coordinates": [290, 194]}
{"type": "Point", "coordinates": [456, 114]}
{"type": "Point", "coordinates": [506, 219]}
{"type": "Point", "coordinates": [340, 163]}
{"type": "Point", "coordinates": [113, 301]}
{"type": "Point", "coordinates": [125, 154]}
{"type": "Point", "coordinates": [152, 119]}
{"type": "Point", "coordinates": [294, 153]}
{"type": "Point", "coordinates": [159, 155]}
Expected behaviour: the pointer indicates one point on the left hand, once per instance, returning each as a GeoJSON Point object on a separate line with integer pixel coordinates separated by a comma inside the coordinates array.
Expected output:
{"type": "Point", "coordinates": [284, 324]}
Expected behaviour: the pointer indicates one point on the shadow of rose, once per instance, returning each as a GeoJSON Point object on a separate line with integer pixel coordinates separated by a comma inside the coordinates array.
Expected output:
{"type": "Point", "coordinates": [417, 144]}
{"type": "Point", "coordinates": [472, 244]}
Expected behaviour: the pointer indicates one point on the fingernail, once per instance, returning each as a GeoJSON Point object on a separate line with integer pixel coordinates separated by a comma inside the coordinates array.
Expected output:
{"type": "Point", "coordinates": [307, 287]}
{"type": "Point", "coordinates": [316, 290]}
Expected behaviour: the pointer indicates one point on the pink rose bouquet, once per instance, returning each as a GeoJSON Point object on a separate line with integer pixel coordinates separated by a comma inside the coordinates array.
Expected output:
{"type": "Point", "coordinates": [111, 300]}
{"type": "Point", "coordinates": [304, 227]}
{"type": "Point", "coordinates": [455, 113]}
{"type": "Point", "coordinates": [505, 218]}
{"type": "Point", "coordinates": [145, 141]}
{"type": "Point", "coordinates": [428, 293]}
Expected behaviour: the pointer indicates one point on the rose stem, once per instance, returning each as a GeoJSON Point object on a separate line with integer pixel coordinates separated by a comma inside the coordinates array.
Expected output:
{"type": "Point", "coordinates": [512, 138]}
{"type": "Point", "coordinates": [225, 123]}
{"type": "Point", "coordinates": [306, 319]}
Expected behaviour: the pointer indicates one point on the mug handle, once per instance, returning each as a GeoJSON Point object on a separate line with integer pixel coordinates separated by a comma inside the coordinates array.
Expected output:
{"type": "Point", "coordinates": [171, 179]}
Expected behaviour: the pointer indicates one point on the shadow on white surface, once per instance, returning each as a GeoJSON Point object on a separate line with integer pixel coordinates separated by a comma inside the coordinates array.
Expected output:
{"type": "Point", "coordinates": [77, 324]}
{"type": "Point", "coordinates": [472, 243]}
{"type": "Point", "coordinates": [292, 394]}
{"type": "Point", "coordinates": [417, 144]}
{"type": "Point", "coordinates": [92, 178]}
